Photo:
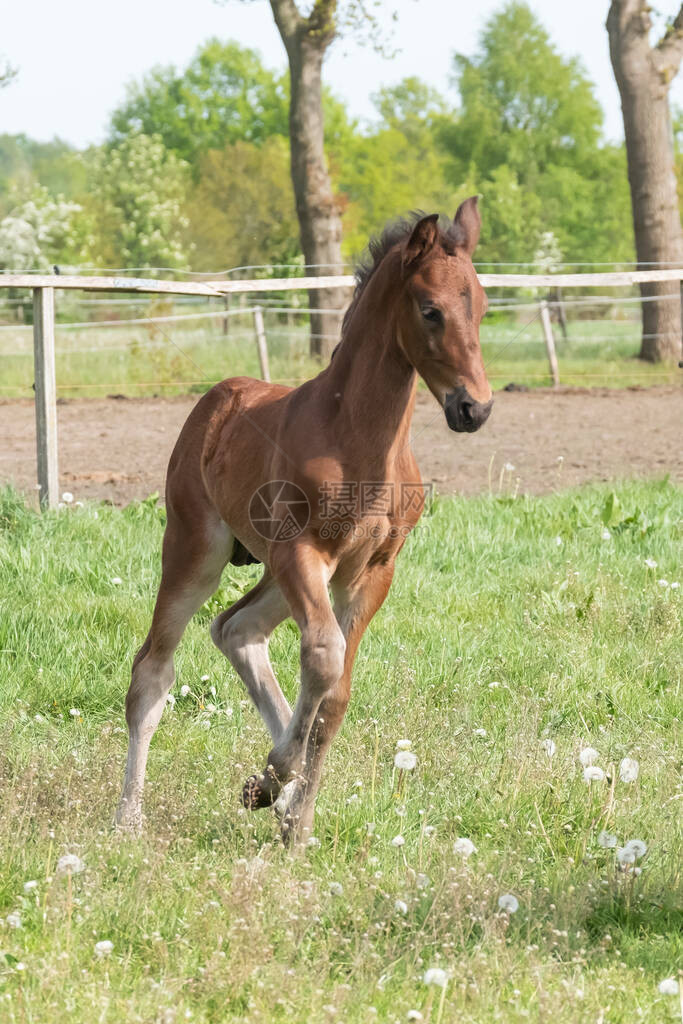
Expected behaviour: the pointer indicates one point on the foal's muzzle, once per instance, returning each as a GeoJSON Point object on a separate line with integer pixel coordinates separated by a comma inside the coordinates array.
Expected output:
{"type": "Point", "coordinates": [464, 413]}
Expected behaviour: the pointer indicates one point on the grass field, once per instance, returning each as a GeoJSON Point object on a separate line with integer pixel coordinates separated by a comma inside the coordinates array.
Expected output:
{"type": "Point", "coordinates": [172, 358]}
{"type": "Point", "coordinates": [511, 622]}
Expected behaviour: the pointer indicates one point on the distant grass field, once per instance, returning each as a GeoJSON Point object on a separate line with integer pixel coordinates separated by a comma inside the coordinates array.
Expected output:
{"type": "Point", "coordinates": [177, 357]}
{"type": "Point", "coordinates": [511, 622]}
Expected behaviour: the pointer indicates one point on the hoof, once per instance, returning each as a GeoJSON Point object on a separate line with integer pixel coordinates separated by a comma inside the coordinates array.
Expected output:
{"type": "Point", "coordinates": [259, 791]}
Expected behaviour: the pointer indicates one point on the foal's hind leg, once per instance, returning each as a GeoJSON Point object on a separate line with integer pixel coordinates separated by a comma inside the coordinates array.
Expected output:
{"type": "Point", "coordinates": [242, 633]}
{"type": "Point", "coordinates": [194, 556]}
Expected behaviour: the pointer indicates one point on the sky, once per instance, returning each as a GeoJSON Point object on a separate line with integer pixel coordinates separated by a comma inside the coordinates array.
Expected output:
{"type": "Point", "coordinates": [76, 56]}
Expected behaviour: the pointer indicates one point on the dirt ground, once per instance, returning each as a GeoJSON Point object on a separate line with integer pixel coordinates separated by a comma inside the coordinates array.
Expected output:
{"type": "Point", "coordinates": [118, 449]}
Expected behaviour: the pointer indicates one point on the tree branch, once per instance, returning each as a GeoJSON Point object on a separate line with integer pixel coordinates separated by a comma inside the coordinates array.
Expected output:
{"type": "Point", "coordinates": [629, 20]}
{"type": "Point", "coordinates": [7, 73]}
{"type": "Point", "coordinates": [669, 50]}
{"type": "Point", "coordinates": [321, 22]}
{"type": "Point", "coordinates": [287, 18]}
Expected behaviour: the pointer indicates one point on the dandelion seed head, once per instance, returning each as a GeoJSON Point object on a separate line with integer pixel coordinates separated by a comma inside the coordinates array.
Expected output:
{"type": "Point", "coordinates": [105, 947]}
{"type": "Point", "coordinates": [67, 497]}
{"type": "Point", "coordinates": [592, 773]}
{"type": "Point", "coordinates": [185, 690]}
{"type": "Point", "coordinates": [405, 760]}
{"type": "Point", "coordinates": [588, 755]}
{"type": "Point", "coordinates": [400, 906]}
{"type": "Point", "coordinates": [628, 770]}
{"type": "Point", "coordinates": [13, 920]}
{"type": "Point", "coordinates": [435, 976]}
{"type": "Point", "coordinates": [170, 700]}
{"type": "Point", "coordinates": [668, 987]}
{"type": "Point", "coordinates": [607, 840]}
{"type": "Point", "coordinates": [398, 841]}
{"type": "Point", "coordinates": [663, 583]}
{"type": "Point", "coordinates": [75, 712]}
{"type": "Point", "coordinates": [464, 847]}
{"type": "Point", "coordinates": [508, 903]}
{"type": "Point", "coordinates": [481, 732]}
{"type": "Point", "coordinates": [70, 864]}
{"type": "Point", "coordinates": [116, 580]}
{"type": "Point", "coordinates": [336, 889]}
{"type": "Point", "coordinates": [403, 744]}
{"type": "Point", "coordinates": [637, 847]}
{"type": "Point", "coordinates": [650, 563]}
{"type": "Point", "coordinates": [30, 886]}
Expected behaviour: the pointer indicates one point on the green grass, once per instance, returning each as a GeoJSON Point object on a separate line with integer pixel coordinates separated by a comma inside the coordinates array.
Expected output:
{"type": "Point", "coordinates": [492, 624]}
{"type": "Point", "coordinates": [174, 358]}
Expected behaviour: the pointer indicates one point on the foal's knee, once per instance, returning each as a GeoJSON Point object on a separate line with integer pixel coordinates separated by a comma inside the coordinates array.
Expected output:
{"type": "Point", "coordinates": [229, 635]}
{"type": "Point", "coordinates": [322, 657]}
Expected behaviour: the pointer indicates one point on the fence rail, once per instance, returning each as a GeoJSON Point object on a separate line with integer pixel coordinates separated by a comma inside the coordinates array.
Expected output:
{"type": "Point", "coordinates": [43, 287]}
{"type": "Point", "coordinates": [615, 279]}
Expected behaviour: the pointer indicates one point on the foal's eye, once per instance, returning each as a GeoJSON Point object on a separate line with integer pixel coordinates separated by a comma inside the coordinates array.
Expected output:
{"type": "Point", "coordinates": [432, 315]}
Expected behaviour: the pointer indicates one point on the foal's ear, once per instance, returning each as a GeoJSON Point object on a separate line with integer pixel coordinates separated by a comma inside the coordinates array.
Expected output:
{"type": "Point", "coordinates": [467, 223]}
{"type": "Point", "coordinates": [421, 242]}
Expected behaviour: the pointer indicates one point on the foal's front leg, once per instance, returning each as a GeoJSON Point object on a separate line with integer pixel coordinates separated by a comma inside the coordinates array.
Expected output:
{"type": "Point", "coordinates": [354, 608]}
{"type": "Point", "coordinates": [303, 577]}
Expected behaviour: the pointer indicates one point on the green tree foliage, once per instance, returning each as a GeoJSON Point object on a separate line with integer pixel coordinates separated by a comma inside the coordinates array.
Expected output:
{"type": "Point", "coordinates": [224, 95]}
{"type": "Point", "coordinates": [137, 194]}
{"type": "Point", "coordinates": [25, 164]}
{"type": "Point", "coordinates": [40, 231]}
{"type": "Point", "coordinates": [528, 132]}
{"type": "Point", "coordinates": [242, 212]}
{"type": "Point", "coordinates": [398, 166]}
{"type": "Point", "coordinates": [522, 103]}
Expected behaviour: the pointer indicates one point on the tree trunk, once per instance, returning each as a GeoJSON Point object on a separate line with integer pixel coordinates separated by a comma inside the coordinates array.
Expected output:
{"type": "Point", "coordinates": [644, 74]}
{"type": "Point", "coordinates": [306, 40]}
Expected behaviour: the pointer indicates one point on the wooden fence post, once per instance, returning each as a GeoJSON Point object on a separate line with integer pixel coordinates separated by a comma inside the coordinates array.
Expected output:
{"type": "Point", "coordinates": [261, 343]}
{"type": "Point", "coordinates": [46, 395]}
{"type": "Point", "coordinates": [549, 342]}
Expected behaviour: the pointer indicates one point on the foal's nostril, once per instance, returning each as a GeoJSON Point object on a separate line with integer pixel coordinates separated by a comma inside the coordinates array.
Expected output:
{"type": "Point", "coordinates": [464, 413]}
{"type": "Point", "coordinates": [467, 413]}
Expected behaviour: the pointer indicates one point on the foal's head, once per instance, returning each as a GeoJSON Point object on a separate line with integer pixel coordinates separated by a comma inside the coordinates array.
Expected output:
{"type": "Point", "coordinates": [442, 304]}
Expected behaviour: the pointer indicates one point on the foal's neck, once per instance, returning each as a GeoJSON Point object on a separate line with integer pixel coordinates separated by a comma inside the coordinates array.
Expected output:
{"type": "Point", "coordinates": [370, 384]}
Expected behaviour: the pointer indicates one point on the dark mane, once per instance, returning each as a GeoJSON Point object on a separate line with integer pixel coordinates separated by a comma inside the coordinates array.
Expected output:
{"type": "Point", "coordinates": [378, 246]}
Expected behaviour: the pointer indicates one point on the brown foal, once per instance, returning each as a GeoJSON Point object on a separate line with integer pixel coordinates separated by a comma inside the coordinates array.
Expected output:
{"type": "Point", "coordinates": [319, 483]}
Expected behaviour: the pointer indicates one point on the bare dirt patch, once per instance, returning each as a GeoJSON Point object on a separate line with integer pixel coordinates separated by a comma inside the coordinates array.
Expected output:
{"type": "Point", "coordinates": [118, 449]}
